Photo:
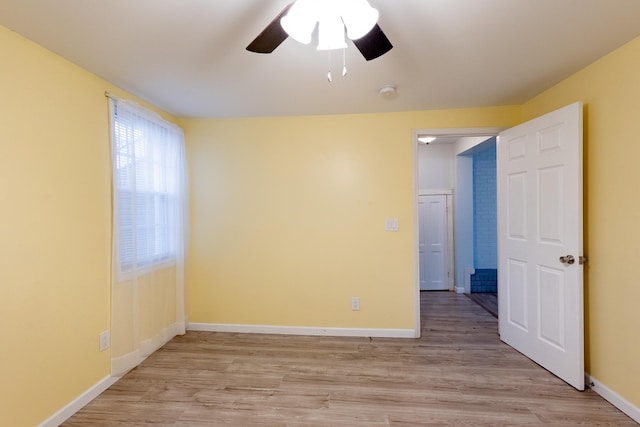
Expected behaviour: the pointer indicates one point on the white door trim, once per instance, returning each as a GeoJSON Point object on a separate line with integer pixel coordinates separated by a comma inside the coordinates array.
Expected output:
{"type": "Point", "coordinates": [437, 211]}
{"type": "Point", "coordinates": [446, 192]}
{"type": "Point", "coordinates": [450, 242]}
{"type": "Point", "coordinates": [451, 273]}
{"type": "Point", "coordinates": [461, 132]}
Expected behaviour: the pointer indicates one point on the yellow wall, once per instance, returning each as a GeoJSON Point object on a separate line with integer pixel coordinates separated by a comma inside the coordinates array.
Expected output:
{"type": "Point", "coordinates": [288, 215]}
{"type": "Point", "coordinates": [287, 220]}
{"type": "Point", "coordinates": [610, 88]}
{"type": "Point", "coordinates": [55, 224]}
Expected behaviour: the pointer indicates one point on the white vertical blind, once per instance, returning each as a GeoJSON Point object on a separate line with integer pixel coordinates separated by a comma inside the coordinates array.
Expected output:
{"type": "Point", "coordinates": [148, 233]}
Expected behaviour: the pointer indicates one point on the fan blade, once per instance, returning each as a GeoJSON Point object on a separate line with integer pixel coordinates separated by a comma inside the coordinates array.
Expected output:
{"type": "Point", "coordinates": [271, 37]}
{"type": "Point", "coordinates": [373, 44]}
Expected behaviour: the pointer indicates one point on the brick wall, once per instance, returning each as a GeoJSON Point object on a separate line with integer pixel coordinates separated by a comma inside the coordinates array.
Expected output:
{"type": "Point", "coordinates": [485, 280]}
{"type": "Point", "coordinates": [485, 234]}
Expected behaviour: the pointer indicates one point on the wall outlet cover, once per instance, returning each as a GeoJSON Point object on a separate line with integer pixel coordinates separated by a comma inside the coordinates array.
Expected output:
{"type": "Point", "coordinates": [105, 340]}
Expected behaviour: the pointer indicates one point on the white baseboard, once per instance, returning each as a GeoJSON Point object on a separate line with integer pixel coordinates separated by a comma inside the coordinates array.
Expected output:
{"type": "Point", "coordinates": [78, 403]}
{"type": "Point", "coordinates": [124, 363]}
{"type": "Point", "coordinates": [614, 398]}
{"type": "Point", "coordinates": [119, 367]}
{"type": "Point", "coordinates": [298, 330]}
{"type": "Point", "coordinates": [460, 290]}
{"type": "Point", "coordinates": [468, 272]}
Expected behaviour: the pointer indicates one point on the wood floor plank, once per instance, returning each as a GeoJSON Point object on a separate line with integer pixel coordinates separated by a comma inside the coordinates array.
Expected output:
{"type": "Point", "coordinates": [486, 300]}
{"type": "Point", "coordinates": [457, 374]}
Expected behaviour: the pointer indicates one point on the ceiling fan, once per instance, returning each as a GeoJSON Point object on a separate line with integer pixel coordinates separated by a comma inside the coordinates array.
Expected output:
{"type": "Point", "coordinates": [333, 18]}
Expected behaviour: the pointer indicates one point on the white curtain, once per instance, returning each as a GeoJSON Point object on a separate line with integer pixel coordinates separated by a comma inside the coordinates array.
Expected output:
{"type": "Point", "coordinates": [149, 223]}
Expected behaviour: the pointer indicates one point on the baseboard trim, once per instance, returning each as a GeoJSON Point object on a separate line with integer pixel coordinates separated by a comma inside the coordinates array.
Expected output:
{"type": "Point", "coordinates": [122, 364]}
{"type": "Point", "coordinates": [78, 403]}
{"type": "Point", "coordinates": [468, 272]}
{"type": "Point", "coordinates": [119, 367]}
{"type": "Point", "coordinates": [614, 398]}
{"type": "Point", "coordinates": [298, 330]}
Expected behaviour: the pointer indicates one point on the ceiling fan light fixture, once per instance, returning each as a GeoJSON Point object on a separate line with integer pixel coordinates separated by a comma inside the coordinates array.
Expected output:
{"type": "Point", "coordinates": [332, 17]}
{"type": "Point", "coordinates": [331, 33]}
{"type": "Point", "coordinates": [300, 21]}
{"type": "Point", "coordinates": [359, 18]}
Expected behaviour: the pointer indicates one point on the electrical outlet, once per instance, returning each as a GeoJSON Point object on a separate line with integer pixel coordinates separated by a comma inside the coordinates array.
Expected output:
{"type": "Point", "coordinates": [105, 338]}
{"type": "Point", "coordinates": [355, 303]}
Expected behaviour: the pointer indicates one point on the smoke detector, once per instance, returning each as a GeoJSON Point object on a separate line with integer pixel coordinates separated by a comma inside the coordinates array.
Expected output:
{"type": "Point", "coordinates": [387, 91]}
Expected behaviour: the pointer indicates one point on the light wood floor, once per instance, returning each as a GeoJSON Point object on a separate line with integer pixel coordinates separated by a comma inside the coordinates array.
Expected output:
{"type": "Point", "coordinates": [488, 301]}
{"type": "Point", "coordinates": [457, 374]}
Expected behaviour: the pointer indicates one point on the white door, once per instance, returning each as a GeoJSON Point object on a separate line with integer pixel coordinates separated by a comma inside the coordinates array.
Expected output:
{"type": "Point", "coordinates": [540, 276]}
{"type": "Point", "coordinates": [434, 269]}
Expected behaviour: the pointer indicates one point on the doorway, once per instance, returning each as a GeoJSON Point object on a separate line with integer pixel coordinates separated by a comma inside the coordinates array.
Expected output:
{"type": "Point", "coordinates": [483, 278]}
{"type": "Point", "coordinates": [539, 177]}
{"type": "Point", "coordinates": [445, 166]}
{"type": "Point", "coordinates": [435, 241]}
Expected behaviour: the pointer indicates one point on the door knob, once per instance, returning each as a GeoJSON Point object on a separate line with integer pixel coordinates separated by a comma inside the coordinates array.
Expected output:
{"type": "Point", "coordinates": [567, 259]}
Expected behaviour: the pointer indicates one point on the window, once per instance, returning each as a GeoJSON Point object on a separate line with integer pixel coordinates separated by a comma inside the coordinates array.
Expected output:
{"type": "Point", "coordinates": [148, 177]}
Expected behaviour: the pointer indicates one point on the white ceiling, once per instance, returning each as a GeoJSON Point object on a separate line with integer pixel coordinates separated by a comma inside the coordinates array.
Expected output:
{"type": "Point", "coordinates": [188, 57]}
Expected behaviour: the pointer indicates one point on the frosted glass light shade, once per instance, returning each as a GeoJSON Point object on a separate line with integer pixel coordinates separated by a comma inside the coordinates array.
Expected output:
{"type": "Point", "coordinates": [331, 33]}
{"type": "Point", "coordinates": [359, 18]}
{"type": "Point", "coordinates": [301, 20]}
{"type": "Point", "coordinates": [333, 16]}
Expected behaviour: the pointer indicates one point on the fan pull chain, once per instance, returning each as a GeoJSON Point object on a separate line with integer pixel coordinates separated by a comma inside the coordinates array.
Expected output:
{"type": "Point", "coordinates": [344, 65]}
{"type": "Point", "coordinates": [344, 62]}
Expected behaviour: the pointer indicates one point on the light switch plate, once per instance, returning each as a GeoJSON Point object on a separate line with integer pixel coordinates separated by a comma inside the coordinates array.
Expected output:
{"type": "Point", "coordinates": [391, 224]}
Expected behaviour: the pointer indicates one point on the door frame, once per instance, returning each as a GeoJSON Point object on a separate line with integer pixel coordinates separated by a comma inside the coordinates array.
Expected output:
{"type": "Point", "coordinates": [448, 193]}
{"type": "Point", "coordinates": [448, 132]}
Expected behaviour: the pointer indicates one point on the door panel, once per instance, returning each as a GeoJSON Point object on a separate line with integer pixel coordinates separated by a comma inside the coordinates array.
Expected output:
{"type": "Point", "coordinates": [517, 295]}
{"type": "Point", "coordinates": [551, 291]}
{"type": "Point", "coordinates": [433, 222]}
{"type": "Point", "coordinates": [517, 206]}
{"type": "Point", "coordinates": [550, 206]}
{"type": "Point", "coordinates": [540, 220]}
